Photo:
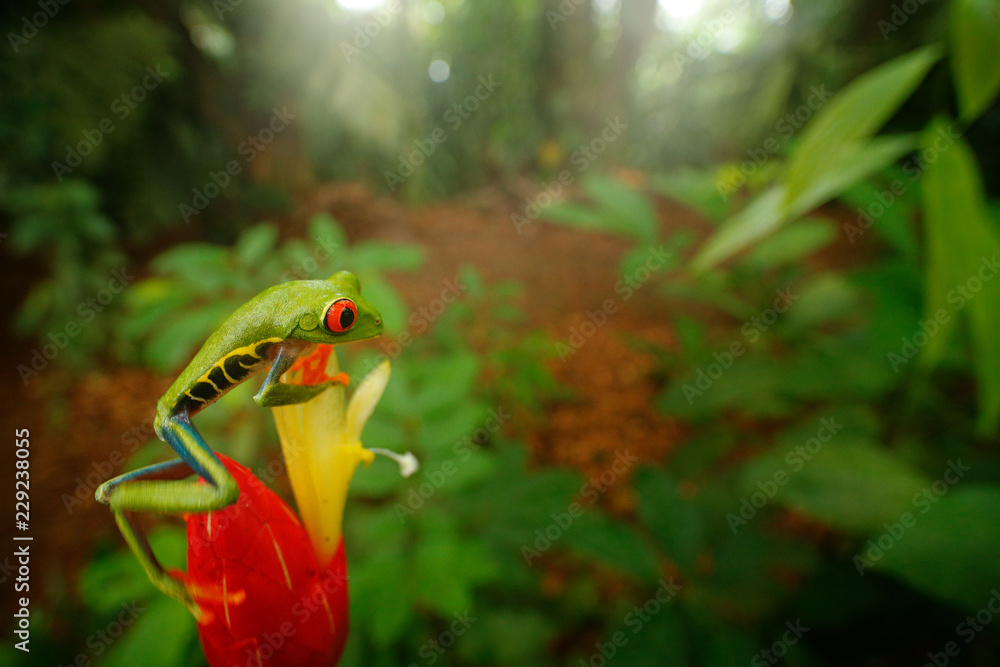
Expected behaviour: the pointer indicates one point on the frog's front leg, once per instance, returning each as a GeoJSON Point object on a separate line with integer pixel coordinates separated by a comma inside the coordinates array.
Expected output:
{"type": "Point", "coordinates": [159, 488]}
{"type": "Point", "coordinates": [274, 393]}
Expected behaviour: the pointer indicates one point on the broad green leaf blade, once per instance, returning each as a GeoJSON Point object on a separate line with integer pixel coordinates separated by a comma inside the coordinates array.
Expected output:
{"type": "Point", "coordinates": [326, 233]}
{"type": "Point", "coordinates": [677, 523]}
{"type": "Point", "coordinates": [649, 640]}
{"type": "Point", "coordinates": [773, 209]}
{"type": "Point", "coordinates": [394, 310]}
{"type": "Point", "coordinates": [487, 641]}
{"type": "Point", "coordinates": [975, 54]}
{"type": "Point", "coordinates": [950, 549]}
{"type": "Point", "coordinates": [382, 256]}
{"type": "Point", "coordinates": [180, 337]}
{"type": "Point", "coordinates": [447, 570]}
{"type": "Point", "coordinates": [383, 594]}
{"type": "Point", "coordinates": [963, 251]}
{"type": "Point", "coordinates": [576, 215]}
{"type": "Point", "coordinates": [202, 265]}
{"type": "Point", "coordinates": [852, 485]}
{"type": "Point", "coordinates": [616, 544]}
{"type": "Point", "coordinates": [760, 218]}
{"type": "Point", "coordinates": [629, 212]}
{"type": "Point", "coordinates": [854, 114]}
{"type": "Point", "coordinates": [160, 633]}
{"type": "Point", "coordinates": [255, 243]}
{"type": "Point", "coordinates": [696, 188]}
{"type": "Point", "coordinates": [794, 244]}
{"type": "Point", "coordinates": [857, 163]}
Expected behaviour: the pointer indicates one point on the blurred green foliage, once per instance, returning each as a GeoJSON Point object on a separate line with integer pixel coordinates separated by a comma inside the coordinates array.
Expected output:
{"type": "Point", "coordinates": [857, 377]}
{"type": "Point", "coordinates": [839, 467]}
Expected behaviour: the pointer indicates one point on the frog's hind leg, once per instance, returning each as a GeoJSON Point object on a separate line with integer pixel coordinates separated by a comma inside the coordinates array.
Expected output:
{"type": "Point", "coordinates": [136, 539]}
{"type": "Point", "coordinates": [159, 488]}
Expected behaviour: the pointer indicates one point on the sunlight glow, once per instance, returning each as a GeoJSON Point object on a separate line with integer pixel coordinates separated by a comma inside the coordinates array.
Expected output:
{"type": "Point", "coordinates": [729, 39]}
{"type": "Point", "coordinates": [778, 11]}
{"type": "Point", "coordinates": [434, 13]}
{"type": "Point", "coordinates": [439, 71]}
{"type": "Point", "coordinates": [213, 39]}
{"type": "Point", "coordinates": [606, 7]}
{"type": "Point", "coordinates": [361, 5]}
{"type": "Point", "coordinates": [681, 10]}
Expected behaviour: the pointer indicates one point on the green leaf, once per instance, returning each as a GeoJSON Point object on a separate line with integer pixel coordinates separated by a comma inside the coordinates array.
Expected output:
{"type": "Point", "coordinates": [203, 265]}
{"type": "Point", "coordinates": [951, 549]}
{"type": "Point", "coordinates": [443, 431]}
{"type": "Point", "coordinates": [382, 595]}
{"type": "Point", "coordinates": [255, 244]}
{"type": "Point", "coordinates": [390, 304]}
{"type": "Point", "coordinates": [752, 385]}
{"type": "Point", "coordinates": [774, 208]}
{"type": "Point", "coordinates": [652, 640]}
{"type": "Point", "coordinates": [794, 243]}
{"type": "Point", "coordinates": [487, 641]}
{"type": "Point", "coordinates": [842, 369]}
{"type": "Point", "coordinates": [887, 204]}
{"type": "Point", "coordinates": [118, 577]}
{"type": "Point", "coordinates": [161, 636]}
{"type": "Point", "coordinates": [453, 379]}
{"type": "Point", "coordinates": [576, 215]}
{"type": "Point", "coordinates": [975, 52]}
{"type": "Point", "coordinates": [109, 580]}
{"type": "Point", "coordinates": [515, 502]}
{"type": "Point", "coordinates": [676, 523]}
{"type": "Point", "coordinates": [151, 303]}
{"type": "Point", "coordinates": [852, 485]}
{"type": "Point", "coordinates": [696, 188]}
{"type": "Point", "coordinates": [961, 264]}
{"type": "Point", "coordinates": [629, 212]}
{"type": "Point", "coordinates": [761, 217]}
{"type": "Point", "coordinates": [611, 542]}
{"type": "Point", "coordinates": [326, 233]}
{"type": "Point", "coordinates": [447, 570]}
{"type": "Point", "coordinates": [378, 480]}
{"type": "Point", "coordinates": [471, 472]}
{"type": "Point", "coordinates": [41, 303]}
{"type": "Point", "coordinates": [724, 646]}
{"type": "Point", "coordinates": [381, 256]}
{"type": "Point", "coordinates": [853, 115]}
{"type": "Point", "coordinates": [180, 337]}
{"type": "Point", "coordinates": [637, 261]}
{"type": "Point", "coordinates": [857, 162]}
{"type": "Point", "coordinates": [823, 299]}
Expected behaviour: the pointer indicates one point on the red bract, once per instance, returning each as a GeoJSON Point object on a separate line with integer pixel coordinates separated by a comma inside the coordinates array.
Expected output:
{"type": "Point", "coordinates": [265, 599]}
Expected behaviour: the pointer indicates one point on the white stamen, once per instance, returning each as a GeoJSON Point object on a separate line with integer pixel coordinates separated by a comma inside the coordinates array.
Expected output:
{"type": "Point", "coordinates": [408, 463]}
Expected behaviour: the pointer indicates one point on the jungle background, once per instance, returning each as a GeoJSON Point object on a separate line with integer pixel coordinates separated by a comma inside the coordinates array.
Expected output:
{"type": "Point", "coordinates": [693, 300]}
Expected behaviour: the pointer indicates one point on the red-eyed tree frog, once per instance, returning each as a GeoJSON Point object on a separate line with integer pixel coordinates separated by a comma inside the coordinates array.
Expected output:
{"type": "Point", "coordinates": [269, 331]}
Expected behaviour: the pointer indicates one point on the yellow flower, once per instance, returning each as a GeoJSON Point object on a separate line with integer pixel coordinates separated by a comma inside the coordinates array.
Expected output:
{"type": "Point", "coordinates": [321, 443]}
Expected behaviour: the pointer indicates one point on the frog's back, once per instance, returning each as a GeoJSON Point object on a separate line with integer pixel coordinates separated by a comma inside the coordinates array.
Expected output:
{"type": "Point", "coordinates": [234, 352]}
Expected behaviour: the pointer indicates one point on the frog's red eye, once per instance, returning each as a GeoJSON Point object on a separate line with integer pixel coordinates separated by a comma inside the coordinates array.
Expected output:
{"type": "Point", "coordinates": [341, 315]}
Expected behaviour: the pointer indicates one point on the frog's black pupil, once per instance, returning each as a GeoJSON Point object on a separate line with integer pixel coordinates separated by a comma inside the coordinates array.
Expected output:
{"type": "Point", "coordinates": [346, 317]}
